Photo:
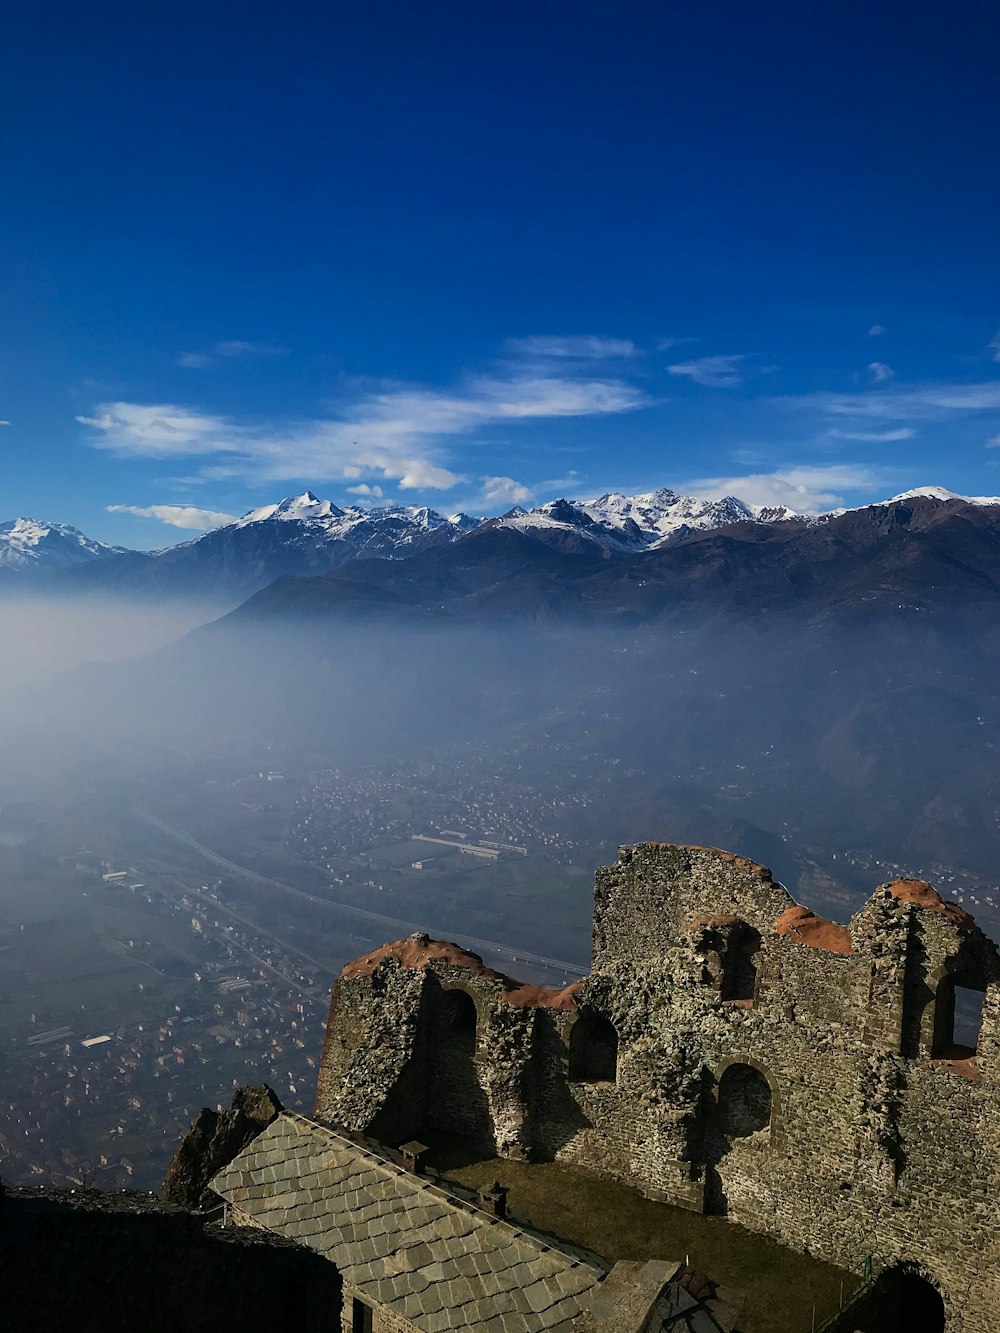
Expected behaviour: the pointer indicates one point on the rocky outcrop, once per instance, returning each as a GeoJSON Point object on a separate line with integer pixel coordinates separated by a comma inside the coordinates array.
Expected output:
{"type": "Point", "coordinates": [212, 1142]}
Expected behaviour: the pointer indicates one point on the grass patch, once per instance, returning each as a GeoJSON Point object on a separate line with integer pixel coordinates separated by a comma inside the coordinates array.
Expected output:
{"type": "Point", "coordinates": [615, 1221]}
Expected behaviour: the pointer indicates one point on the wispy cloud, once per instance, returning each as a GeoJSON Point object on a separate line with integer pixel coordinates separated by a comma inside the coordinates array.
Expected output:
{"type": "Point", "coordinates": [927, 402]}
{"type": "Point", "coordinates": [396, 433]}
{"type": "Point", "coordinates": [993, 442]}
{"type": "Point", "coordinates": [178, 516]}
{"type": "Point", "coordinates": [161, 430]}
{"type": "Point", "coordinates": [808, 489]}
{"type": "Point", "coordinates": [714, 372]}
{"type": "Point", "coordinates": [876, 331]}
{"type": "Point", "coordinates": [231, 350]}
{"type": "Point", "coordinates": [880, 372]}
{"type": "Point", "coordinates": [874, 436]}
{"type": "Point", "coordinates": [577, 347]}
{"type": "Point", "coordinates": [4, 423]}
{"type": "Point", "coordinates": [993, 347]}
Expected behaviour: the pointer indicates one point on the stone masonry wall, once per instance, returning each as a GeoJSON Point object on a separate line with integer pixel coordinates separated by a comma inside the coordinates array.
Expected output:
{"type": "Point", "coordinates": [793, 1073]}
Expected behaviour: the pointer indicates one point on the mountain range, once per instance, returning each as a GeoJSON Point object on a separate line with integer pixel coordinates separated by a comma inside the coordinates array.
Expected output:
{"type": "Point", "coordinates": [834, 676]}
{"type": "Point", "coordinates": [304, 536]}
{"type": "Point", "coordinates": [916, 553]}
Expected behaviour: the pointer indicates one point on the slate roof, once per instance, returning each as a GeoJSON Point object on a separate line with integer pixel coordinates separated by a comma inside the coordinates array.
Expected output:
{"type": "Point", "coordinates": [402, 1241]}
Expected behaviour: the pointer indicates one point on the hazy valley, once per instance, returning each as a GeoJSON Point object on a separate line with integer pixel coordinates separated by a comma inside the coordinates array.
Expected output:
{"type": "Point", "coordinates": [197, 836]}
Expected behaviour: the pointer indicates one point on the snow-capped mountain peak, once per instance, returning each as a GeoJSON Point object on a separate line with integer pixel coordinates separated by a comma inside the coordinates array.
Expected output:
{"type": "Point", "coordinates": [28, 543]}
{"type": "Point", "coordinates": [639, 522]}
{"type": "Point", "coordinates": [294, 507]}
{"type": "Point", "coordinates": [942, 493]}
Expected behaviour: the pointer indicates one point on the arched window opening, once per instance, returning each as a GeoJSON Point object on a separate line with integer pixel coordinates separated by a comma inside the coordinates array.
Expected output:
{"type": "Point", "coordinates": [739, 968]}
{"type": "Point", "coordinates": [744, 1101]}
{"type": "Point", "coordinates": [593, 1050]}
{"type": "Point", "coordinates": [958, 1018]}
{"type": "Point", "coordinates": [458, 1022]}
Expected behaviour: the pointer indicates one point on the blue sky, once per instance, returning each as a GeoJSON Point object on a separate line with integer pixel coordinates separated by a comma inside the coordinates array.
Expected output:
{"type": "Point", "coordinates": [472, 254]}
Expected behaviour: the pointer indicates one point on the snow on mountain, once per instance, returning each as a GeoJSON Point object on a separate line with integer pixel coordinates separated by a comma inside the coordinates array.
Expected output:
{"type": "Point", "coordinates": [28, 544]}
{"type": "Point", "coordinates": [295, 507]}
{"type": "Point", "coordinates": [338, 523]}
{"type": "Point", "coordinates": [638, 522]}
{"type": "Point", "coordinates": [304, 535]}
{"type": "Point", "coordinates": [942, 493]}
{"type": "Point", "coordinates": [660, 514]}
{"type": "Point", "coordinates": [300, 535]}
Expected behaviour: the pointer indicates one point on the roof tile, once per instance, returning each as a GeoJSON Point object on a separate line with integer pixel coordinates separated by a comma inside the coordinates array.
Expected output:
{"type": "Point", "coordinates": [402, 1240]}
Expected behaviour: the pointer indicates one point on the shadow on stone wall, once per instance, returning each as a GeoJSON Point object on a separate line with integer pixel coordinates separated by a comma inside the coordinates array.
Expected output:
{"type": "Point", "coordinates": [95, 1262]}
{"type": "Point", "coordinates": [557, 1116]}
{"type": "Point", "coordinates": [739, 1106]}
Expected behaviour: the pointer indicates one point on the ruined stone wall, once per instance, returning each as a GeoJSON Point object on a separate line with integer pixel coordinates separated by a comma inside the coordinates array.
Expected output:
{"type": "Point", "coordinates": [790, 1072]}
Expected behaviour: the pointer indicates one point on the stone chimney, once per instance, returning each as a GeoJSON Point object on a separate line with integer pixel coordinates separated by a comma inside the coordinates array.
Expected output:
{"type": "Point", "coordinates": [412, 1154]}
{"type": "Point", "coordinates": [493, 1200]}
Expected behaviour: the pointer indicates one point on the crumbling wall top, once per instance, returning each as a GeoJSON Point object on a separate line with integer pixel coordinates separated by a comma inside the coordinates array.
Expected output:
{"type": "Point", "coordinates": [804, 926]}
{"type": "Point", "coordinates": [919, 892]}
{"type": "Point", "coordinates": [419, 951]}
{"type": "Point", "coordinates": [732, 858]}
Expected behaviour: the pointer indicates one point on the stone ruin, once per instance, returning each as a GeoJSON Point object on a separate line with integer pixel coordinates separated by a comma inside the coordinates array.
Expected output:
{"type": "Point", "coordinates": [730, 1052]}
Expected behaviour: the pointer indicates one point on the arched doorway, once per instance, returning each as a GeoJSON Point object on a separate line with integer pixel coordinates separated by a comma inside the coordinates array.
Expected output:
{"type": "Point", "coordinates": [745, 1102]}
{"type": "Point", "coordinates": [921, 1307]}
{"type": "Point", "coordinates": [458, 1022]}
{"type": "Point", "coordinates": [739, 966]}
{"type": "Point", "coordinates": [456, 1099]}
{"type": "Point", "coordinates": [743, 1107]}
{"type": "Point", "coordinates": [593, 1050]}
{"type": "Point", "coordinates": [915, 1304]}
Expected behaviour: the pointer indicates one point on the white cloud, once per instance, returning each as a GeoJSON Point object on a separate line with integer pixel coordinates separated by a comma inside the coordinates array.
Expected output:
{"type": "Point", "coordinates": [230, 350]}
{"type": "Point", "coordinates": [993, 442]}
{"type": "Point", "coordinates": [391, 433]}
{"type": "Point", "coordinates": [880, 372]}
{"type": "Point", "coordinates": [876, 331]}
{"type": "Point", "coordinates": [581, 346]}
{"type": "Point", "coordinates": [504, 491]}
{"type": "Point", "coordinates": [166, 430]}
{"type": "Point", "coordinates": [874, 436]}
{"type": "Point", "coordinates": [808, 489]}
{"type": "Point", "coordinates": [4, 423]}
{"type": "Point", "coordinates": [376, 492]}
{"type": "Point", "coordinates": [178, 516]}
{"type": "Point", "coordinates": [160, 431]}
{"type": "Point", "coordinates": [714, 372]}
{"type": "Point", "coordinates": [993, 347]}
{"type": "Point", "coordinates": [929, 402]}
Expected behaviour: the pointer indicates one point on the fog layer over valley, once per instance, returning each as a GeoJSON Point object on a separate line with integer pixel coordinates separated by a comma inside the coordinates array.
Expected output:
{"type": "Point", "coordinates": [196, 838]}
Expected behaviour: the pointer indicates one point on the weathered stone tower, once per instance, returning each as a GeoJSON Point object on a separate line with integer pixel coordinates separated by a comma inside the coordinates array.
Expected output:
{"type": "Point", "coordinates": [730, 1052]}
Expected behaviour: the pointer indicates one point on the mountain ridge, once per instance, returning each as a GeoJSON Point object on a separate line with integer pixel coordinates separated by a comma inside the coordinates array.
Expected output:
{"type": "Point", "coordinates": [304, 536]}
{"type": "Point", "coordinates": [923, 553]}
